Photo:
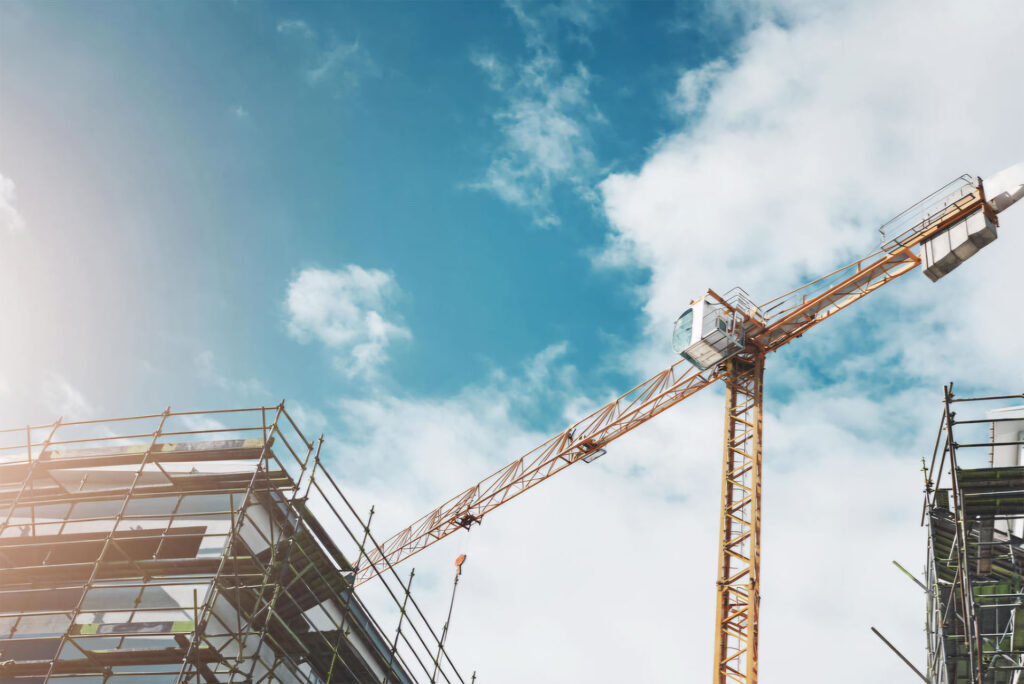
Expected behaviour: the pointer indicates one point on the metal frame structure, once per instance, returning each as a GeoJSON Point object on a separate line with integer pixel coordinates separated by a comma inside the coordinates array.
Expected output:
{"type": "Point", "coordinates": [767, 328]}
{"type": "Point", "coordinates": [773, 324]}
{"type": "Point", "coordinates": [191, 547]}
{"type": "Point", "coordinates": [975, 565]}
{"type": "Point", "coordinates": [739, 550]}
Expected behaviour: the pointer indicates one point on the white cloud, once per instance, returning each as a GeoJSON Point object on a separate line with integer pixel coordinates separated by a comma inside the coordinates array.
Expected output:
{"type": "Point", "coordinates": [490, 64]}
{"type": "Point", "coordinates": [545, 140]}
{"type": "Point", "coordinates": [64, 399]}
{"type": "Point", "coordinates": [10, 219]}
{"type": "Point", "coordinates": [347, 310]}
{"type": "Point", "coordinates": [810, 140]}
{"type": "Point", "coordinates": [201, 423]}
{"type": "Point", "coordinates": [240, 112]}
{"type": "Point", "coordinates": [694, 85]}
{"type": "Point", "coordinates": [295, 27]}
{"type": "Point", "coordinates": [622, 551]}
{"type": "Point", "coordinates": [334, 59]}
{"type": "Point", "coordinates": [209, 372]}
{"type": "Point", "coordinates": [310, 421]}
{"type": "Point", "coordinates": [796, 150]}
{"type": "Point", "coordinates": [330, 61]}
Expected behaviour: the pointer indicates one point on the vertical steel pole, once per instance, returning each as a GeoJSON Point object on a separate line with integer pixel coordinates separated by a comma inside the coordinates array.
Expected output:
{"type": "Point", "coordinates": [444, 632]}
{"type": "Point", "coordinates": [739, 544]}
{"type": "Point", "coordinates": [972, 630]}
{"type": "Point", "coordinates": [398, 632]}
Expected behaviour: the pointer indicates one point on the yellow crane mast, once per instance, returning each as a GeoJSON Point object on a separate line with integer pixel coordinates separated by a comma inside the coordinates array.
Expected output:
{"type": "Point", "coordinates": [727, 338]}
{"type": "Point", "coordinates": [739, 541]}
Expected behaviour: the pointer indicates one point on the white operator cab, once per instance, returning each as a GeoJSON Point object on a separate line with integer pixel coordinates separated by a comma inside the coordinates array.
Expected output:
{"type": "Point", "coordinates": [708, 333]}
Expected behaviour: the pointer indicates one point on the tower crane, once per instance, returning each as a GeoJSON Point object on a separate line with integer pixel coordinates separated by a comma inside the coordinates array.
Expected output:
{"type": "Point", "coordinates": [726, 338]}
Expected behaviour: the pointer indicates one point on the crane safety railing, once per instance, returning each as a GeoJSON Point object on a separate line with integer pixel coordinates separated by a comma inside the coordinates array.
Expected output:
{"type": "Point", "coordinates": [794, 313]}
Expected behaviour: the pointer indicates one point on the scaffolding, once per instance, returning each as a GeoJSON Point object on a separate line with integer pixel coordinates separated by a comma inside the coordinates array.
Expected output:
{"type": "Point", "coordinates": [974, 513]}
{"type": "Point", "coordinates": [192, 547]}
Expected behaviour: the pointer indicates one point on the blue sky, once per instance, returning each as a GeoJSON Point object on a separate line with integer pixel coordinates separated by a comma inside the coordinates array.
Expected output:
{"type": "Point", "coordinates": [444, 230]}
{"type": "Point", "coordinates": [219, 148]}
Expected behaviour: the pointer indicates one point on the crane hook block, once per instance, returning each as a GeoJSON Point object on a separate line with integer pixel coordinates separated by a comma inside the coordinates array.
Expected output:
{"type": "Point", "coordinates": [468, 520]}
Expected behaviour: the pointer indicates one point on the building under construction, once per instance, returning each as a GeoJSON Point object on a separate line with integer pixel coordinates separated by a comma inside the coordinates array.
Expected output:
{"type": "Point", "coordinates": [192, 547]}
{"type": "Point", "coordinates": [974, 513]}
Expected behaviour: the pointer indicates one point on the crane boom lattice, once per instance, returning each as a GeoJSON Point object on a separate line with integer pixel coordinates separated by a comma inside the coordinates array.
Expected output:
{"type": "Point", "coordinates": [582, 441]}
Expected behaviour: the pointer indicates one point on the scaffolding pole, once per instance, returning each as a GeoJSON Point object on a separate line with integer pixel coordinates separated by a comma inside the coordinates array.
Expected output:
{"type": "Point", "coordinates": [974, 514]}
{"type": "Point", "coordinates": [195, 546]}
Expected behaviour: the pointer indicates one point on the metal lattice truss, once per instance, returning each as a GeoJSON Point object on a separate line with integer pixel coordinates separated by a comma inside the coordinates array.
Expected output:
{"type": "Point", "coordinates": [582, 441]}
{"type": "Point", "coordinates": [739, 553]}
{"type": "Point", "coordinates": [768, 328]}
{"type": "Point", "coordinates": [794, 313]}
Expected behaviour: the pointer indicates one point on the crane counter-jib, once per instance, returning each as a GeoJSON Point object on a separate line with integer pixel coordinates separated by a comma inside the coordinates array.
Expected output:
{"type": "Point", "coordinates": [725, 326]}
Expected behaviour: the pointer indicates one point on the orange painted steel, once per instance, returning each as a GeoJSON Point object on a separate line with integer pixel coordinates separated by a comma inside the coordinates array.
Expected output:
{"type": "Point", "coordinates": [803, 309]}
{"type": "Point", "coordinates": [739, 541]}
{"type": "Point", "coordinates": [775, 324]}
{"type": "Point", "coordinates": [615, 419]}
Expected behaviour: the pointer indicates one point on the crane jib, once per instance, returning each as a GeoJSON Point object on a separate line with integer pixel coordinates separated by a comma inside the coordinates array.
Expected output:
{"type": "Point", "coordinates": [632, 409]}
{"type": "Point", "coordinates": [792, 316]}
